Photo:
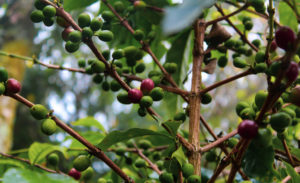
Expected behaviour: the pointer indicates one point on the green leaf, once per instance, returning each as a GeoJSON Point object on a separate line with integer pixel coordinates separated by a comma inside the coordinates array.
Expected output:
{"type": "Point", "coordinates": [119, 136]}
{"type": "Point", "coordinates": [92, 137]}
{"type": "Point", "coordinates": [180, 156]}
{"type": "Point", "coordinates": [291, 172]}
{"type": "Point", "coordinates": [30, 176]}
{"type": "Point", "coordinates": [38, 151]}
{"type": "Point", "coordinates": [179, 17]}
{"type": "Point", "coordinates": [76, 4]}
{"type": "Point", "coordinates": [278, 145]}
{"type": "Point", "coordinates": [172, 126]}
{"type": "Point", "coordinates": [258, 162]}
{"type": "Point", "coordinates": [287, 16]}
{"type": "Point", "coordinates": [89, 122]}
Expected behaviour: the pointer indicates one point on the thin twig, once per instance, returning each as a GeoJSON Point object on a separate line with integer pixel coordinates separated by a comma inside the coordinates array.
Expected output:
{"type": "Point", "coordinates": [289, 155]}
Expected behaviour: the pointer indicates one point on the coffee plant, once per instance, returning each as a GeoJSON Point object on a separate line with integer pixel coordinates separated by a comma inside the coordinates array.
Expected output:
{"type": "Point", "coordinates": [147, 53]}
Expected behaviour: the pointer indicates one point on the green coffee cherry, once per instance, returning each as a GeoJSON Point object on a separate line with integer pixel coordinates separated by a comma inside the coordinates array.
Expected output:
{"type": "Point", "coordinates": [289, 111]}
{"type": "Point", "coordinates": [264, 138]}
{"type": "Point", "coordinates": [81, 163]}
{"type": "Point", "coordinates": [37, 16]}
{"type": "Point", "coordinates": [106, 86]}
{"type": "Point", "coordinates": [3, 74]}
{"type": "Point", "coordinates": [239, 62]}
{"type": "Point", "coordinates": [130, 62]}
{"type": "Point", "coordinates": [48, 127]}
{"type": "Point", "coordinates": [232, 142]}
{"type": "Point", "coordinates": [246, 19]}
{"type": "Point", "coordinates": [187, 170]}
{"type": "Point", "coordinates": [98, 78]}
{"type": "Point", "coordinates": [48, 21]}
{"type": "Point", "coordinates": [235, 55]}
{"type": "Point", "coordinates": [107, 16]}
{"type": "Point", "coordinates": [115, 86]}
{"type": "Point", "coordinates": [126, 70]}
{"type": "Point", "coordinates": [146, 101]}
{"type": "Point", "coordinates": [138, 35]}
{"type": "Point", "coordinates": [157, 94]}
{"type": "Point", "coordinates": [248, 52]}
{"type": "Point", "coordinates": [106, 54]}
{"type": "Point", "coordinates": [238, 43]}
{"type": "Point", "coordinates": [119, 6]}
{"type": "Point", "coordinates": [130, 52]}
{"type": "Point", "coordinates": [71, 47]}
{"type": "Point", "coordinates": [248, 25]}
{"type": "Point", "coordinates": [128, 160]}
{"type": "Point", "coordinates": [139, 5]}
{"type": "Point", "coordinates": [256, 43]}
{"type": "Point", "coordinates": [98, 67]}
{"type": "Point", "coordinates": [140, 67]}
{"type": "Point", "coordinates": [96, 24]}
{"type": "Point", "coordinates": [39, 111]}
{"type": "Point", "coordinates": [39, 4]}
{"type": "Point", "coordinates": [211, 156]}
{"type": "Point", "coordinates": [75, 36]}
{"type": "Point", "coordinates": [247, 113]}
{"type": "Point", "coordinates": [88, 70]}
{"type": "Point", "coordinates": [156, 156]}
{"type": "Point", "coordinates": [242, 50]}
{"type": "Point", "coordinates": [123, 97]}
{"type": "Point", "coordinates": [142, 112]}
{"type": "Point", "coordinates": [120, 151]}
{"type": "Point", "coordinates": [81, 63]}
{"type": "Point", "coordinates": [260, 98]}
{"type": "Point", "coordinates": [144, 144]}
{"type": "Point", "coordinates": [49, 11]}
{"type": "Point", "coordinates": [279, 121]}
{"type": "Point", "coordinates": [52, 159]}
{"type": "Point", "coordinates": [101, 180]}
{"type": "Point", "coordinates": [222, 62]}
{"type": "Point", "coordinates": [87, 174]}
{"type": "Point", "coordinates": [274, 68]}
{"type": "Point", "coordinates": [241, 106]}
{"type": "Point", "coordinates": [166, 177]}
{"type": "Point", "coordinates": [87, 33]}
{"type": "Point", "coordinates": [194, 179]}
{"type": "Point", "coordinates": [84, 20]}
{"type": "Point", "coordinates": [140, 163]}
{"type": "Point", "coordinates": [105, 35]}
{"type": "Point", "coordinates": [180, 116]}
{"type": "Point", "coordinates": [154, 73]}
{"type": "Point", "coordinates": [260, 57]}
{"type": "Point", "coordinates": [106, 26]}
{"type": "Point", "coordinates": [2, 88]}
{"type": "Point", "coordinates": [260, 67]}
{"type": "Point", "coordinates": [171, 67]}
{"type": "Point", "coordinates": [117, 54]}
{"type": "Point", "coordinates": [118, 63]}
{"type": "Point", "coordinates": [229, 43]}
{"type": "Point", "coordinates": [206, 98]}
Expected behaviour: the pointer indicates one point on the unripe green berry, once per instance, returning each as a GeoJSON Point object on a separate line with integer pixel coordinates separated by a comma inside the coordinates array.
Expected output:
{"type": "Point", "coordinates": [119, 6]}
{"type": "Point", "coordinates": [87, 174]}
{"type": "Point", "coordinates": [274, 68]}
{"type": "Point", "coordinates": [123, 97]}
{"type": "Point", "coordinates": [115, 86]}
{"type": "Point", "coordinates": [37, 16]}
{"type": "Point", "coordinates": [261, 67]}
{"type": "Point", "coordinates": [87, 33]}
{"type": "Point", "coordinates": [75, 36]}
{"type": "Point", "coordinates": [139, 5]}
{"type": "Point", "coordinates": [107, 16]}
{"type": "Point", "coordinates": [118, 63]}
{"type": "Point", "coordinates": [142, 112]}
{"type": "Point", "coordinates": [130, 62]}
{"type": "Point", "coordinates": [105, 35]}
{"type": "Point", "coordinates": [211, 156]}
{"type": "Point", "coordinates": [101, 180]}
{"type": "Point", "coordinates": [239, 62]}
{"type": "Point", "coordinates": [89, 70]}
{"type": "Point", "coordinates": [39, 111]}
{"type": "Point", "coordinates": [81, 163]}
{"type": "Point", "coordinates": [52, 159]}
{"type": "Point", "coordinates": [120, 151]}
{"type": "Point", "coordinates": [3, 74]}
{"type": "Point", "coordinates": [171, 67]}
{"type": "Point", "coordinates": [194, 179]}
{"type": "Point", "coordinates": [71, 47]}
{"type": "Point", "coordinates": [140, 163]}
{"type": "Point", "coordinates": [279, 121]}
{"type": "Point", "coordinates": [146, 101]}
{"type": "Point", "coordinates": [48, 127]}
{"type": "Point", "coordinates": [98, 78]}
{"type": "Point", "coordinates": [166, 177]}
{"type": "Point", "coordinates": [81, 63]}
{"type": "Point", "coordinates": [2, 88]}
{"type": "Point", "coordinates": [222, 62]}
{"type": "Point", "coordinates": [206, 98]}
{"type": "Point", "coordinates": [117, 54]}
{"type": "Point", "coordinates": [187, 170]}
{"type": "Point", "coordinates": [39, 4]}
{"type": "Point", "coordinates": [144, 144]}
{"type": "Point", "coordinates": [106, 54]}
{"type": "Point", "coordinates": [48, 21]}
{"type": "Point", "coordinates": [180, 116]}
{"type": "Point", "coordinates": [106, 86]}
{"type": "Point", "coordinates": [246, 19]}
{"type": "Point", "coordinates": [138, 34]}
{"type": "Point", "coordinates": [49, 11]}
{"type": "Point", "coordinates": [130, 52]}
{"type": "Point", "coordinates": [154, 73]}
{"type": "Point", "coordinates": [260, 57]}
{"type": "Point", "coordinates": [260, 98]}
{"type": "Point", "coordinates": [84, 20]}
{"type": "Point", "coordinates": [98, 67]}
{"type": "Point", "coordinates": [248, 25]}
{"type": "Point", "coordinates": [96, 24]}
{"type": "Point", "coordinates": [140, 67]}
{"type": "Point", "coordinates": [126, 70]}
{"type": "Point", "coordinates": [229, 43]}
{"type": "Point", "coordinates": [157, 94]}
{"type": "Point", "coordinates": [256, 43]}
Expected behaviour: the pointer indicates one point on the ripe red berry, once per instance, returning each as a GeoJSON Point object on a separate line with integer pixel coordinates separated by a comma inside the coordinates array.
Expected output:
{"type": "Point", "coordinates": [248, 129]}
{"type": "Point", "coordinates": [292, 72]}
{"type": "Point", "coordinates": [74, 173]}
{"type": "Point", "coordinates": [135, 95]}
{"type": "Point", "coordinates": [147, 85]}
{"type": "Point", "coordinates": [285, 37]}
{"type": "Point", "coordinates": [13, 86]}
{"type": "Point", "coordinates": [273, 46]}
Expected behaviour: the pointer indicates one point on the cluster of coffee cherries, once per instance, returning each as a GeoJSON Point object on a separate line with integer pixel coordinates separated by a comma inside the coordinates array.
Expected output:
{"type": "Point", "coordinates": [8, 85]}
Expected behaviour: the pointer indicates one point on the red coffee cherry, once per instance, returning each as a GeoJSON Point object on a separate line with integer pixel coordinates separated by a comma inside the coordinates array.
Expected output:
{"type": "Point", "coordinates": [74, 173]}
{"type": "Point", "coordinates": [248, 129]}
{"type": "Point", "coordinates": [147, 85]}
{"type": "Point", "coordinates": [285, 37]}
{"type": "Point", "coordinates": [273, 46]}
{"type": "Point", "coordinates": [135, 95]}
{"type": "Point", "coordinates": [292, 72]}
{"type": "Point", "coordinates": [13, 86]}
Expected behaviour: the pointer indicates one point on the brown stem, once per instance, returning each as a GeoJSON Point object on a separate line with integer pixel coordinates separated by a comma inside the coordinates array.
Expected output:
{"type": "Point", "coordinates": [93, 149]}
{"type": "Point", "coordinates": [244, 38]}
{"type": "Point", "coordinates": [28, 162]}
{"type": "Point", "coordinates": [195, 98]}
{"type": "Point", "coordinates": [218, 142]}
{"type": "Point", "coordinates": [289, 155]}
{"type": "Point", "coordinates": [227, 80]}
{"type": "Point", "coordinates": [287, 178]}
{"type": "Point", "coordinates": [185, 143]}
